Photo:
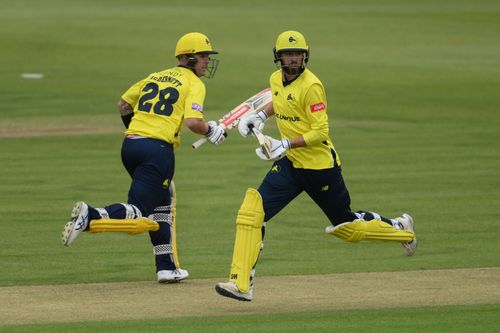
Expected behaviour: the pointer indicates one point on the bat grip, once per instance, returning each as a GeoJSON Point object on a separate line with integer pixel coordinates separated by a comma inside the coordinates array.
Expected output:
{"type": "Point", "coordinates": [198, 143]}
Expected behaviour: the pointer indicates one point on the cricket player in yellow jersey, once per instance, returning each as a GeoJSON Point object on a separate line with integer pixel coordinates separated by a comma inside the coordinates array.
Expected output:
{"type": "Point", "coordinates": [305, 159]}
{"type": "Point", "coordinates": [153, 111]}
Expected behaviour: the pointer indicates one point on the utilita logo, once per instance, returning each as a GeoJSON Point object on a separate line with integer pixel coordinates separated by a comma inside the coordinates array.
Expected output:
{"type": "Point", "coordinates": [318, 107]}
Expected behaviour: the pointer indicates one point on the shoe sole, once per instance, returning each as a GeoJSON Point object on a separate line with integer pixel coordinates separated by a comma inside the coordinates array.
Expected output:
{"type": "Point", "coordinates": [410, 247]}
{"type": "Point", "coordinates": [70, 226]}
{"type": "Point", "coordinates": [226, 293]}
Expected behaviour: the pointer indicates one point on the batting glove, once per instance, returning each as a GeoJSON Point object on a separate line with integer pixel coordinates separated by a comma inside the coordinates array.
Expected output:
{"type": "Point", "coordinates": [256, 120]}
{"type": "Point", "coordinates": [216, 133]}
{"type": "Point", "coordinates": [277, 149]}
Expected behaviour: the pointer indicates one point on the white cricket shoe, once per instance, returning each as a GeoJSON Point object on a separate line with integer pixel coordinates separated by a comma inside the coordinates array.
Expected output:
{"type": "Point", "coordinates": [407, 223]}
{"type": "Point", "coordinates": [230, 289]}
{"type": "Point", "coordinates": [175, 275]}
{"type": "Point", "coordinates": [78, 223]}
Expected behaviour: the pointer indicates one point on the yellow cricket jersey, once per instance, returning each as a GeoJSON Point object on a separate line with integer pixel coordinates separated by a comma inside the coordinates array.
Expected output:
{"type": "Point", "coordinates": [161, 102]}
{"type": "Point", "coordinates": [300, 109]}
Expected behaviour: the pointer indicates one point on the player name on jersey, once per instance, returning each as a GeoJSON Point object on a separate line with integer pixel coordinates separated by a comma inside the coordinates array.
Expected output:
{"type": "Point", "coordinates": [167, 78]}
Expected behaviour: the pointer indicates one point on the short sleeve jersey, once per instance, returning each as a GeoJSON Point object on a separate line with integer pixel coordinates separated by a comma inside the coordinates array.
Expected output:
{"type": "Point", "coordinates": [301, 110]}
{"type": "Point", "coordinates": [161, 102]}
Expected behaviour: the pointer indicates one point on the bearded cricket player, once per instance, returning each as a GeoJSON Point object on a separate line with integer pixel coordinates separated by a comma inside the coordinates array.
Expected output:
{"type": "Point", "coordinates": [304, 159]}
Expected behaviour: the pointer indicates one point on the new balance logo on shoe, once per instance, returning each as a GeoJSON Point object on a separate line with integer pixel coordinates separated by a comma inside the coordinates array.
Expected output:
{"type": "Point", "coordinates": [81, 224]}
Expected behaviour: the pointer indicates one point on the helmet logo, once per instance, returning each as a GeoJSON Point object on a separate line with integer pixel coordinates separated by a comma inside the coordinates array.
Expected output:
{"type": "Point", "coordinates": [292, 40]}
{"type": "Point", "coordinates": [207, 41]}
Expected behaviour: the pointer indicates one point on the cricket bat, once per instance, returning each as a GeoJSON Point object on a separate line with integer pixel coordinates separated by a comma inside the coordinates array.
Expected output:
{"type": "Point", "coordinates": [230, 120]}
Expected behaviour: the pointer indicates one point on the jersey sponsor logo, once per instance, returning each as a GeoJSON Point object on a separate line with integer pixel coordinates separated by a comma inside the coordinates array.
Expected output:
{"type": "Point", "coordinates": [287, 118]}
{"type": "Point", "coordinates": [197, 107]}
{"type": "Point", "coordinates": [318, 107]}
{"type": "Point", "coordinates": [289, 97]}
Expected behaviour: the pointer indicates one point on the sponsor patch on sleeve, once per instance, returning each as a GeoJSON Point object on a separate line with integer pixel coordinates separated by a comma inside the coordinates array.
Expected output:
{"type": "Point", "coordinates": [318, 107]}
{"type": "Point", "coordinates": [197, 107]}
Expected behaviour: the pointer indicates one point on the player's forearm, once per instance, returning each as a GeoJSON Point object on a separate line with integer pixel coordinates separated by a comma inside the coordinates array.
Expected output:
{"type": "Point", "coordinates": [125, 108]}
{"type": "Point", "coordinates": [312, 136]}
{"type": "Point", "coordinates": [269, 109]}
{"type": "Point", "coordinates": [126, 112]}
{"type": "Point", "coordinates": [316, 136]}
{"type": "Point", "coordinates": [297, 142]}
{"type": "Point", "coordinates": [197, 125]}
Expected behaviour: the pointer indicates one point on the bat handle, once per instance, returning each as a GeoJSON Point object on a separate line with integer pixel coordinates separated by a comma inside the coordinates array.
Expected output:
{"type": "Point", "coordinates": [198, 143]}
{"type": "Point", "coordinates": [252, 128]}
{"type": "Point", "coordinates": [258, 134]}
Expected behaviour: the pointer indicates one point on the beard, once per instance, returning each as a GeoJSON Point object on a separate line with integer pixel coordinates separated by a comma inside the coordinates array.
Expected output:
{"type": "Point", "coordinates": [295, 70]}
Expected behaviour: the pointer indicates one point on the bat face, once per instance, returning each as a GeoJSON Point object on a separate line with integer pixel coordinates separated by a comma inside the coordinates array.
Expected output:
{"type": "Point", "coordinates": [252, 104]}
{"type": "Point", "coordinates": [232, 119]}
{"type": "Point", "coordinates": [261, 99]}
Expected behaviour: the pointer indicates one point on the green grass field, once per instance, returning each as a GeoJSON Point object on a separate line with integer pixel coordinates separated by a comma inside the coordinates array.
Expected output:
{"type": "Point", "coordinates": [413, 90]}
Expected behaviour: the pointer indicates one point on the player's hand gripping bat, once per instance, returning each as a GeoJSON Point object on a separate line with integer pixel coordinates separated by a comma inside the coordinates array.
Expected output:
{"type": "Point", "coordinates": [232, 118]}
{"type": "Point", "coordinates": [264, 142]}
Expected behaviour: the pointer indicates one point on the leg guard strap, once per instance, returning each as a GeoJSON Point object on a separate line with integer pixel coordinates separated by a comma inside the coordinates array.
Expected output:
{"type": "Point", "coordinates": [162, 214]}
{"type": "Point", "coordinates": [131, 211]}
{"type": "Point", "coordinates": [103, 212]}
{"type": "Point", "coordinates": [359, 230]}
{"type": "Point", "coordinates": [162, 249]}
